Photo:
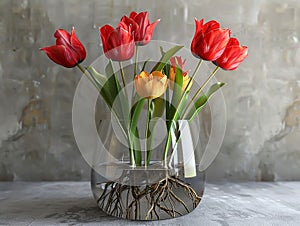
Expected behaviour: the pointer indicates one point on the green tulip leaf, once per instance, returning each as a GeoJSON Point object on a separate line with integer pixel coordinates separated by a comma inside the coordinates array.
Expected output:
{"type": "Point", "coordinates": [156, 112]}
{"type": "Point", "coordinates": [109, 88]}
{"type": "Point", "coordinates": [180, 107]}
{"type": "Point", "coordinates": [137, 148]}
{"type": "Point", "coordinates": [177, 93]}
{"type": "Point", "coordinates": [202, 100]}
{"type": "Point", "coordinates": [97, 77]}
{"type": "Point", "coordinates": [144, 65]}
{"type": "Point", "coordinates": [136, 112]}
{"type": "Point", "coordinates": [134, 133]}
{"type": "Point", "coordinates": [166, 71]}
{"type": "Point", "coordinates": [158, 107]}
{"type": "Point", "coordinates": [99, 81]}
{"type": "Point", "coordinates": [117, 99]}
{"type": "Point", "coordinates": [165, 58]}
{"type": "Point", "coordinates": [113, 82]}
{"type": "Point", "coordinates": [162, 50]}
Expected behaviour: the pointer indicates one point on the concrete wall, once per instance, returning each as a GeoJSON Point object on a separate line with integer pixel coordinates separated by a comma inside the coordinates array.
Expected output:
{"type": "Point", "coordinates": [262, 98]}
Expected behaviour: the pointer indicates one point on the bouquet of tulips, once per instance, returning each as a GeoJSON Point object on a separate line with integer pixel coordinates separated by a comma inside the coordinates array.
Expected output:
{"type": "Point", "coordinates": [210, 43]}
{"type": "Point", "coordinates": [167, 77]}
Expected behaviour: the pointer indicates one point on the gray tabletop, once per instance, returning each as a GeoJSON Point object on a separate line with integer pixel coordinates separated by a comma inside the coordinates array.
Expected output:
{"type": "Point", "coordinates": [71, 203]}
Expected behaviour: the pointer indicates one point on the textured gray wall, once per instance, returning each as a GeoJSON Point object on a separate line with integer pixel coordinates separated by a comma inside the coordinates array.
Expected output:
{"type": "Point", "coordinates": [263, 100]}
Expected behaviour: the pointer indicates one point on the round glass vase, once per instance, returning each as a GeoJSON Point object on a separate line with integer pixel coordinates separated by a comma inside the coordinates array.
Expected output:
{"type": "Point", "coordinates": [159, 190]}
{"type": "Point", "coordinates": [170, 183]}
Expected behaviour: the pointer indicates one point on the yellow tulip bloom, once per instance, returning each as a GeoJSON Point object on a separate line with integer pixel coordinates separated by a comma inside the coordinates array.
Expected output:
{"type": "Point", "coordinates": [152, 85]}
{"type": "Point", "coordinates": [181, 63]}
{"type": "Point", "coordinates": [185, 82]}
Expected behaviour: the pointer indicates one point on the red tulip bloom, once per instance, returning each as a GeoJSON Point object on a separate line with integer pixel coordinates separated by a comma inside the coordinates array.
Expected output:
{"type": "Point", "coordinates": [141, 27]}
{"type": "Point", "coordinates": [209, 41]}
{"type": "Point", "coordinates": [233, 55]}
{"type": "Point", "coordinates": [68, 50]}
{"type": "Point", "coordinates": [118, 44]}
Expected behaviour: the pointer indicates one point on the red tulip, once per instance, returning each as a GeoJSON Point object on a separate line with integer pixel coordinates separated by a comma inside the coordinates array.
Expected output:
{"type": "Point", "coordinates": [141, 27]}
{"type": "Point", "coordinates": [118, 44]}
{"type": "Point", "coordinates": [209, 41]}
{"type": "Point", "coordinates": [68, 50]}
{"type": "Point", "coordinates": [233, 55]}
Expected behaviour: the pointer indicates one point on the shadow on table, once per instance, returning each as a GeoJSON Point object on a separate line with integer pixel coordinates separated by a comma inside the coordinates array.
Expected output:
{"type": "Point", "coordinates": [59, 210]}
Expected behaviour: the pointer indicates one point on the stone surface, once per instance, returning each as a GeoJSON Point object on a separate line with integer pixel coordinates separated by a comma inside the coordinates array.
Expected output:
{"type": "Point", "coordinates": [71, 203]}
{"type": "Point", "coordinates": [262, 96]}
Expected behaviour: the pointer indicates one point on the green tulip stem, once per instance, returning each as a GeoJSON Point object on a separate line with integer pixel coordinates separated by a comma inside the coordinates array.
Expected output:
{"type": "Point", "coordinates": [147, 133]}
{"type": "Point", "coordinates": [200, 89]}
{"type": "Point", "coordinates": [194, 74]}
{"type": "Point", "coordinates": [127, 135]}
{"type": "Point", "coordinates": [122, 74]}
{"type": "Point", "coordinates": [123, 78]}
{"type": "Point", "coordinates": [81, 68]}
{"type": "Point", "coordinates": [174, 150]}
{"type": "Point", "coordinates": [135, 70]}
{"type": "Point", "coordinates": [136, 60]}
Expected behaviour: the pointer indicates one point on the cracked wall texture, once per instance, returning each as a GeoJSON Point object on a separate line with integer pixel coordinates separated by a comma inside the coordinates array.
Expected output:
{"type": "Point", "coordinates": [263, 96]}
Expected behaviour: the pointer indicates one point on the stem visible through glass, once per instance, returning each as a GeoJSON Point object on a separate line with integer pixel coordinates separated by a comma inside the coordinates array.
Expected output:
{"type": "Point", "coordinates": [127, 135]}
{"type": "Point", "coordinates": [130, 142]}
{"type": "Point", "coordinates": [147, 132]}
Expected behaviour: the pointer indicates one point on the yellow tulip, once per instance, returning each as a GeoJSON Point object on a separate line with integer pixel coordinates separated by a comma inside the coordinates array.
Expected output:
{"type": "Point", "coordinates": [185, 82]}
{"type": "Point", "coordinates": [181, 63]}
{"type": "Point", "coordinates": [152, 85]}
